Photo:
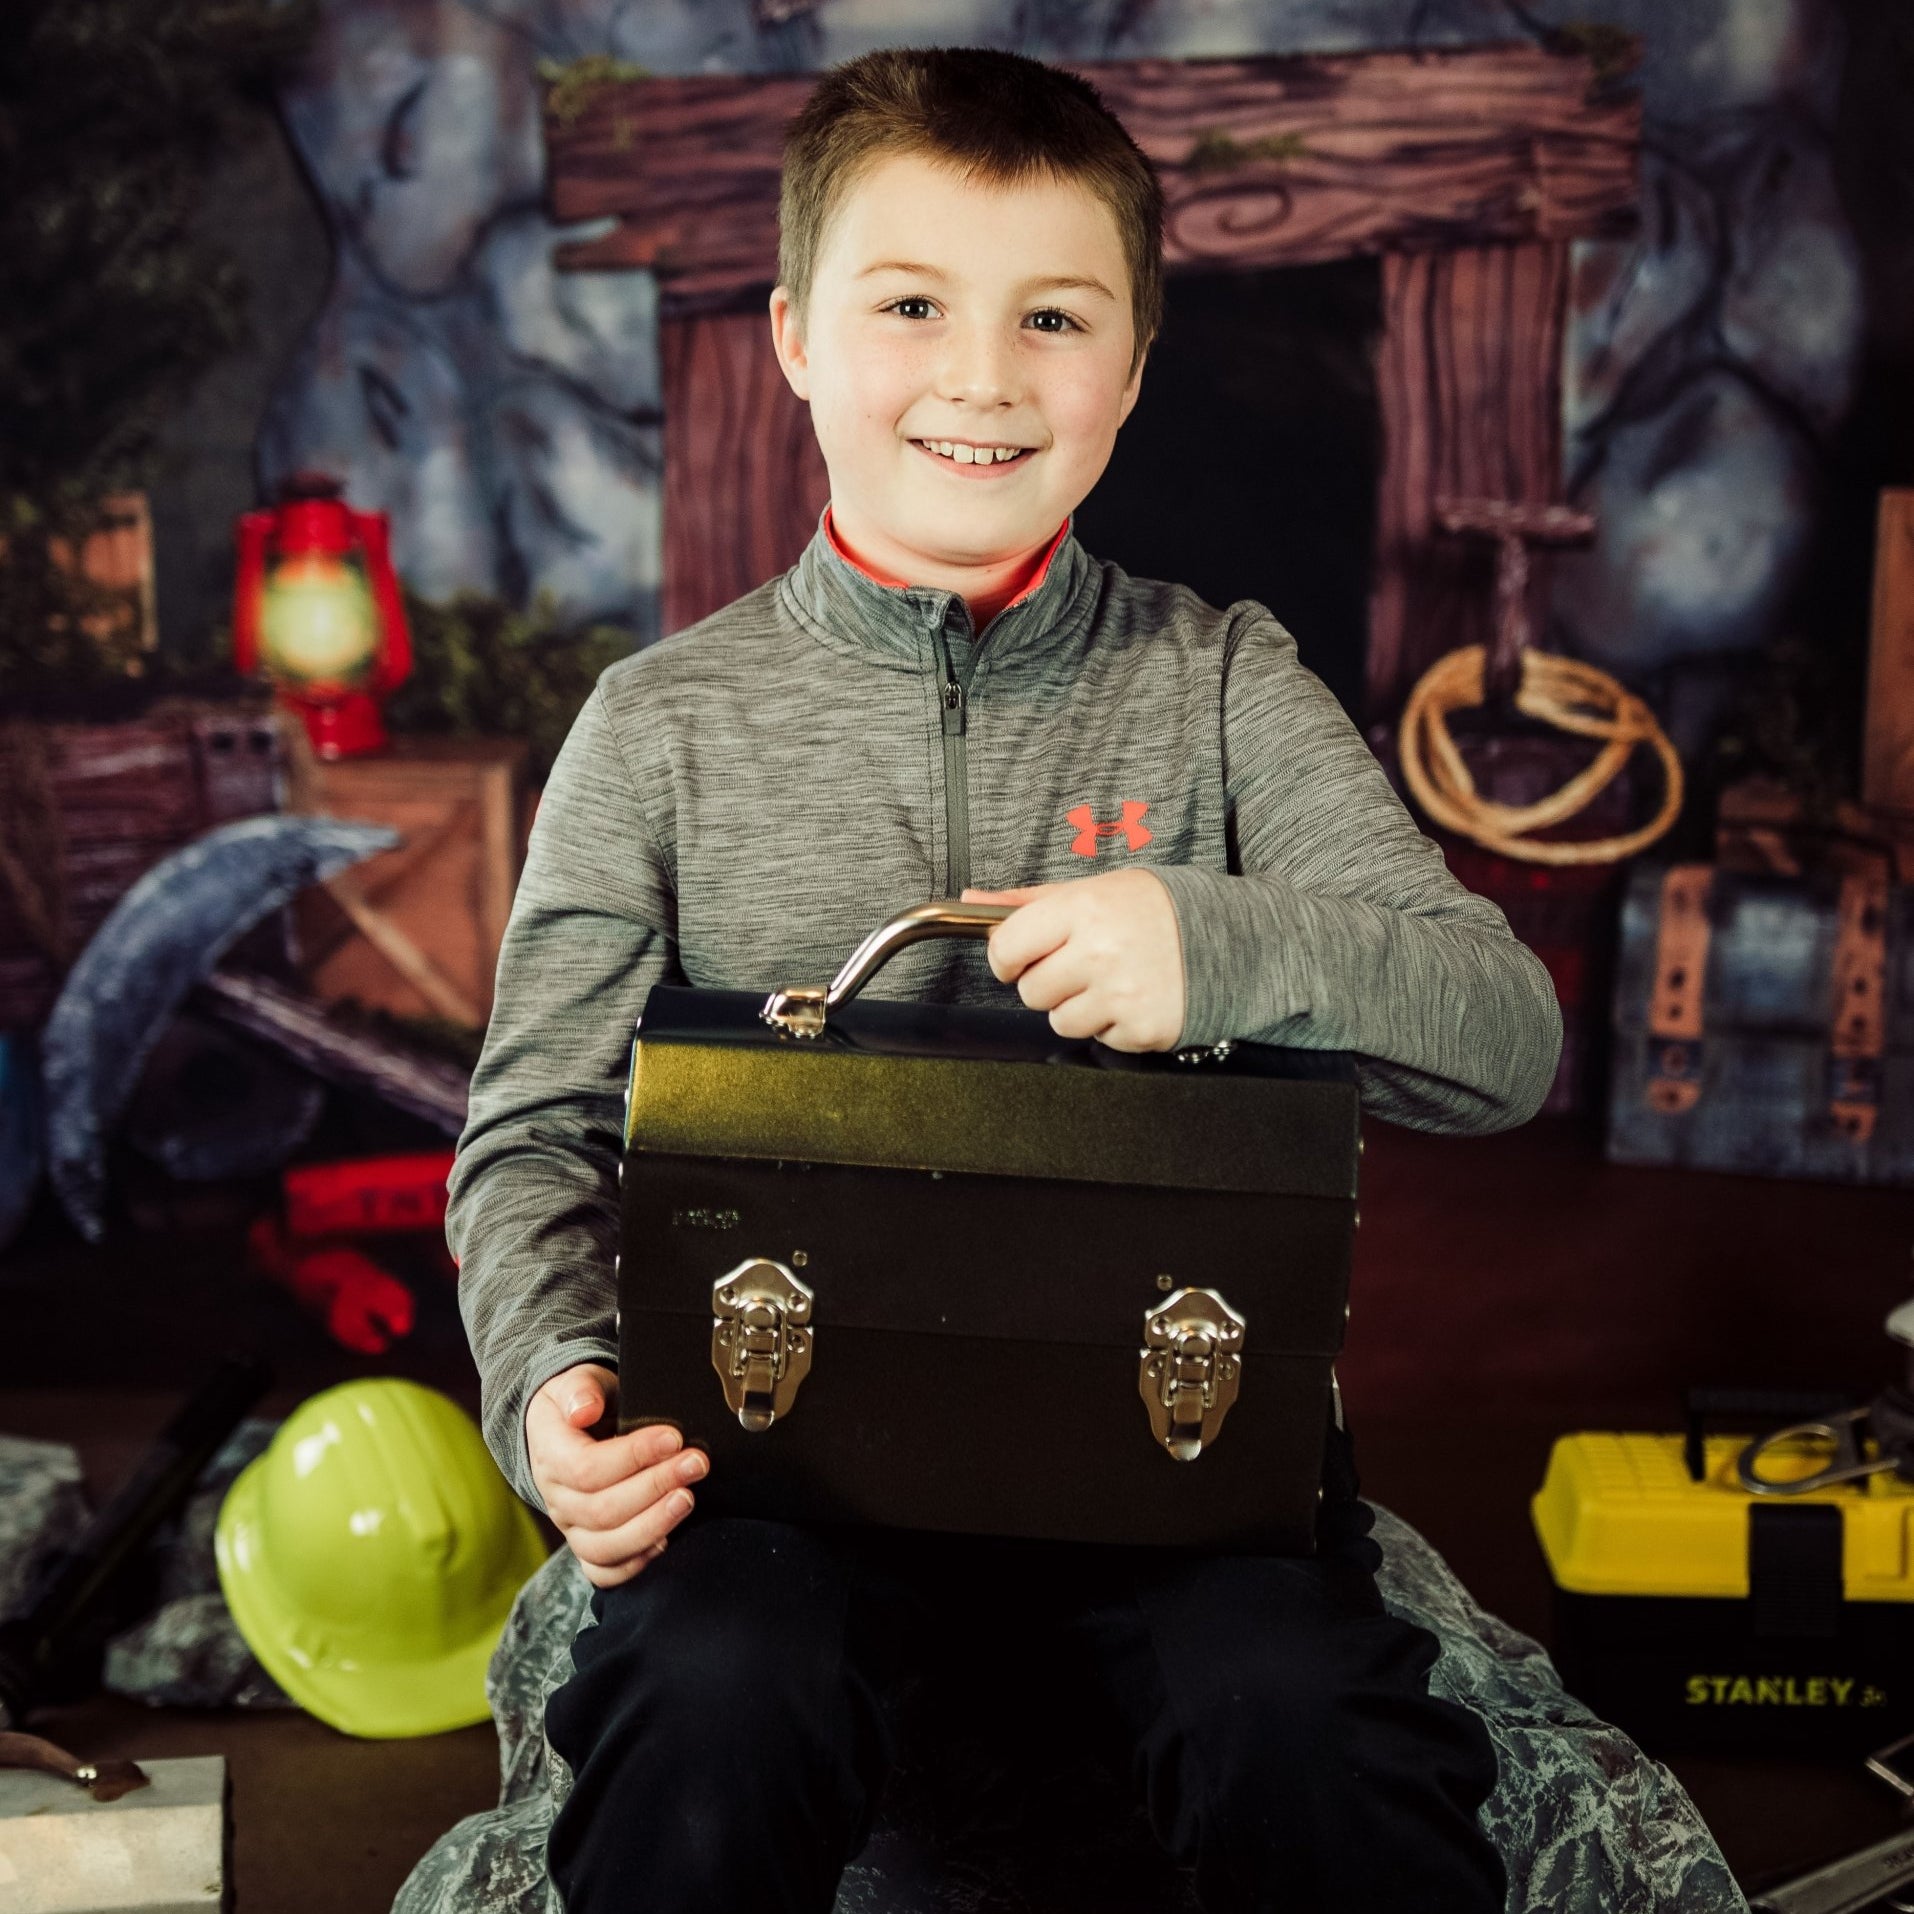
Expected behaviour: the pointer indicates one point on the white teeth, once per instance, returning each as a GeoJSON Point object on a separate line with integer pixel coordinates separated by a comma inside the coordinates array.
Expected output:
{"type": "Point", "coordinates": [972, 454]}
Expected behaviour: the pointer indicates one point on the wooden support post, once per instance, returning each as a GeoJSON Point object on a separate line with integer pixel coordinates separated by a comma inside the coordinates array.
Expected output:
{"type": "Point", "coordinates": [1469, 377]}
{"type": "Point", "coordinates": [744, 479]}
{"type": "Point", "coordinates": [1514, 528]}
{"type": "Point", "coordinates": [1888, 765]}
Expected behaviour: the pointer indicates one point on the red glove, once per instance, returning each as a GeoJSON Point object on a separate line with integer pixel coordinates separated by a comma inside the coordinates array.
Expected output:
{"type": "Point", "coordinates": [363, 1307]}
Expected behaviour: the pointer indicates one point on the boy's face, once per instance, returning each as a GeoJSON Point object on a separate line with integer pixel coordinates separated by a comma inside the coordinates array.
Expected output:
{"type": "Point", "coordinates": [943, 312]}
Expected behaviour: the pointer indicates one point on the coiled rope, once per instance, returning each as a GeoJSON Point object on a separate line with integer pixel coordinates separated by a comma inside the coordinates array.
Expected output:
{"type": "Point", "coordinates": [1558, 691]}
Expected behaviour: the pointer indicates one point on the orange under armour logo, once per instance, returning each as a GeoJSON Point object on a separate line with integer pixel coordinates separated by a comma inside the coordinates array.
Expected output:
{"type": "Point", "coordinates": [1130, 825]}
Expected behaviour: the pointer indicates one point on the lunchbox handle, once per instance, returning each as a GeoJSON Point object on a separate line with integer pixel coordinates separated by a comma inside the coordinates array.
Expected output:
{"type": "Point", "coordinates": [802, 1009]}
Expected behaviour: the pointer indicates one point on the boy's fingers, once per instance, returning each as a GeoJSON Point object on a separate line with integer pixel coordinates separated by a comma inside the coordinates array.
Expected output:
{"type": "Point", "coordinates": [1028, 934]}
{"type": "Point", "coordinates": [587, 1386]}
{"type": "Point", "coordinates": [974, 894]}
{"type": "Point", "coordinates": [587, 1392]}
{"type": "Point", "coordinates": [608, 1548]}
{"type": "Point", "coordinates": [617, 1576]}
{"type": "Point", "coordinates": [614, 1577]}
{"type": "Point", "coordinates": [1084, 1015]}
{"type": "Point", "coordinates": [621, 1457]}
{"type": "Point", "coordinates": [575, 1488]}
{"type": "Point", "coordinates": [579, 1462]}
{"type": "Point", "coordinates": [1053, 980]}
{"type": "Point", "coordinates": [611, 1508]}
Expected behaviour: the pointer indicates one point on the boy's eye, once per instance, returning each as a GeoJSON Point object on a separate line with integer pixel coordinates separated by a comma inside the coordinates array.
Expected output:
{"type": "Point", "coordinates": [911, 299]}
{"type": "Point", "coordinates": [1051, 312]}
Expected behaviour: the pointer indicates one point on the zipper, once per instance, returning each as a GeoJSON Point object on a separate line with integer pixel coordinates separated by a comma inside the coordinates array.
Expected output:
{"type": "Point", "coordinates": [955, 702]}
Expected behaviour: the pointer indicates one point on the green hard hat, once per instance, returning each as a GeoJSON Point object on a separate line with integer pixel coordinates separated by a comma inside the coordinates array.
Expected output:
{"type": "Point", "coordinates": [371, 1555]}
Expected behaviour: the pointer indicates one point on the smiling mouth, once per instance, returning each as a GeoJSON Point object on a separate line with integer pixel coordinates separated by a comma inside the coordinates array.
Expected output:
{"type": "Point", "coordinates": [955, 452]}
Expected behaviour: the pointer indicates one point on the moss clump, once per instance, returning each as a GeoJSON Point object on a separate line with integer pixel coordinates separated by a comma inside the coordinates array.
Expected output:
{"type": "Point", "coordinates": [1611, 50]}
{"type": "Point", "coordinates": [1215, 150]}
{"type": "Point", "coordinates": [570, 84]}
{"type": "Point", "coordinates": [1792, 722]}
{"type": "Point", "coordinates": [484, 668]}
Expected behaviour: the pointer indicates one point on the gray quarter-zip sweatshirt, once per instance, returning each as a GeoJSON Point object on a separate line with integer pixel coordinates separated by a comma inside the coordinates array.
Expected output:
{"type": "Point", "coordinates": [738, 805]}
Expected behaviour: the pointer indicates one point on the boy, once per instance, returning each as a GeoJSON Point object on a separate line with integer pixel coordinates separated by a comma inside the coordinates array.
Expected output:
{"type": "Point", "coordinates": [946, 695]}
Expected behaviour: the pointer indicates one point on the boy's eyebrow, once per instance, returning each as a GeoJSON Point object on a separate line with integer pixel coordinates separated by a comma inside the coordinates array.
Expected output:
{"type": "Point", "coordinates": [1068, 282]}
{"type": "Point", "coordinates": [1055, 282]}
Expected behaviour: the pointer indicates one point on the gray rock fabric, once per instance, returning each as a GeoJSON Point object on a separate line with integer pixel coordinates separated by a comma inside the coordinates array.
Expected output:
{"type": "Point", "coordinates": [188, 1652]}
{"type": "Point", "coordinates": [1585, 1822]}
{"type": "Point", "coordinates": [185, 1652]}
{"type": "Point", "coordinates": [42, 1504]}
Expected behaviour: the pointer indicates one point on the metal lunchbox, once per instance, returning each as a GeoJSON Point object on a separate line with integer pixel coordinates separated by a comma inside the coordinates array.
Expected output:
{"type": "Point", "coordinates": [934, 1267]}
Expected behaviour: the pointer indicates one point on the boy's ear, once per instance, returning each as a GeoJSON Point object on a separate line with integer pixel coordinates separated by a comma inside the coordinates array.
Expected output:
{"type": "Point", "coordinates": [1131, 391]}
{"type": "Point", "coordinates": [787, 340]}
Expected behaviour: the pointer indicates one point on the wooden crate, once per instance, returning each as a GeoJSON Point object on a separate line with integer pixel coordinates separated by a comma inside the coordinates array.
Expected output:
{"type": "Point", "coordinates": [416, 930]}
{"type": "Point", "coordinates": [85, 809]}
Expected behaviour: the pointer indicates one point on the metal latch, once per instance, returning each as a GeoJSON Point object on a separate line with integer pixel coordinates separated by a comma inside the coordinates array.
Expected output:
{"type": "Point", "coordinates": [1189, 1368]}
{"type": "Point", "coordinates": [759, 1346]}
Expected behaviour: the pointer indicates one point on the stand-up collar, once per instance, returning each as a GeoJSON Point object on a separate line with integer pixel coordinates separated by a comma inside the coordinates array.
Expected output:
{"type": "Point", "coordinates": [848, 606]}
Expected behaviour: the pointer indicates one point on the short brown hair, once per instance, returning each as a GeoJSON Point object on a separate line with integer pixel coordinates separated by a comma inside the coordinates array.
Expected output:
{"type": "Point", "coordinates": [996, 117]}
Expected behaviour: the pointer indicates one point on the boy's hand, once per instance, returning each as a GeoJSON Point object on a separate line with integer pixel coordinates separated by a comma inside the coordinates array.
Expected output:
{"type": "Point", "coordinates": [614, 1499]}
{"type": "Point", "coordinates": [1101, 954]}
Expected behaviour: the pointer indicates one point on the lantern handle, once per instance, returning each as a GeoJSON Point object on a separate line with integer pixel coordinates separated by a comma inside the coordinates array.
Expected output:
{"type": "Point", "coordinates": [395, 654]}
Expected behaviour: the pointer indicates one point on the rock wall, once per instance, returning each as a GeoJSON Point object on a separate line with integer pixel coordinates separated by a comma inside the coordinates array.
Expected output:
{"type": "Point", "coordinates": [509, 416]}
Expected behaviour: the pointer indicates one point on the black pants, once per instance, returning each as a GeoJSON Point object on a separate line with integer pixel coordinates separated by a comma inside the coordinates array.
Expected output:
{"type": "Point", "coordinates": [733, 1718]}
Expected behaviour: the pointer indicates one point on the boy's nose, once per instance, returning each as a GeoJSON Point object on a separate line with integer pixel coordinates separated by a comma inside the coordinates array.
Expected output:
{"type": "Point", "coordinates": [979, 368]}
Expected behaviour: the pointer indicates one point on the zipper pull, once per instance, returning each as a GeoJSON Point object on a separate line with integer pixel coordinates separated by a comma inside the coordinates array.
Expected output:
{"type": "Point", "coordinates": [953, 708]}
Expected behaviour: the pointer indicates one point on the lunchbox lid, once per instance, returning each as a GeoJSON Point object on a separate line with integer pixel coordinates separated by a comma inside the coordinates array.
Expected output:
{"type": "Point", "coordinates": [988, 1090]}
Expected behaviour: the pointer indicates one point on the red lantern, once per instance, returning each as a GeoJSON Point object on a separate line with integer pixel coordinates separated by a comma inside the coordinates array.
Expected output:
{"type": "Point", "coordinates": [316, 609]}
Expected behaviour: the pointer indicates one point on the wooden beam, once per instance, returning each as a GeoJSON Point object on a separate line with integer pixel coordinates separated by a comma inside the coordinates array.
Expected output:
{"type": "Point", "coordinates": [1468, 375]}
{"type": "Point", "coordinates": [338, 1049]}
{"type": "Point", "coordinates": [1265, 162]}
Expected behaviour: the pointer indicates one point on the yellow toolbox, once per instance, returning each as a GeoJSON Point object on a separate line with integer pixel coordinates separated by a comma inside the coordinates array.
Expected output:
{"type": "Point", "coordinates": [1699, 1616]}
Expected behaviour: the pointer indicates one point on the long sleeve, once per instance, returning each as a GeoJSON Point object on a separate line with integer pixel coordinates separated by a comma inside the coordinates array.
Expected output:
{"type": "Point", "coordinates": [533, 1215]}
{"type": "Point", "coordinates": [1339, 927]}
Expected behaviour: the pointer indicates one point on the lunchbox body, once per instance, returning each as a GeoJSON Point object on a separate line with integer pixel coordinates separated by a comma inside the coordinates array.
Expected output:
{"type": "Point", "coordinates": [983, 1217]}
